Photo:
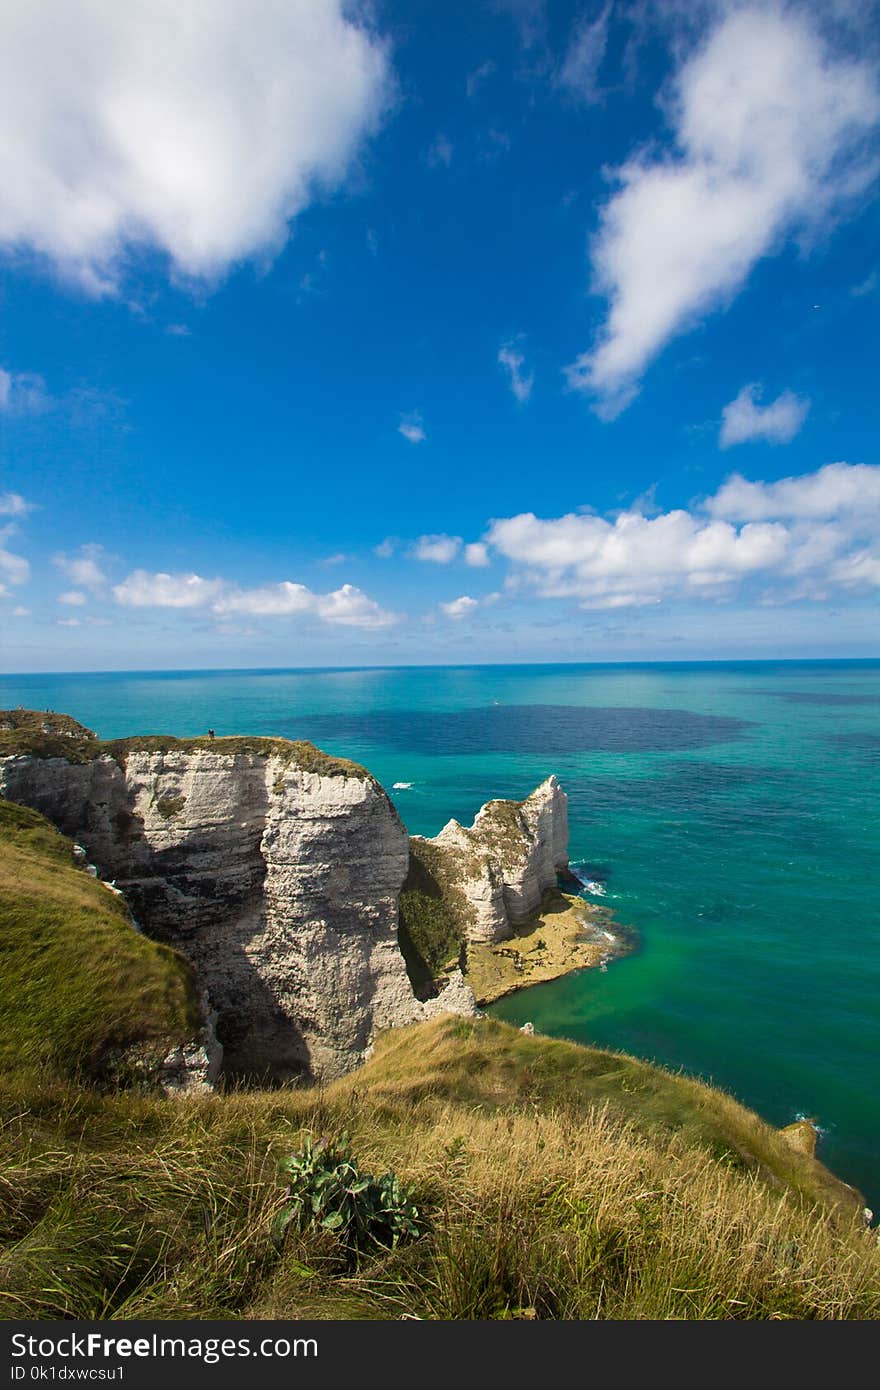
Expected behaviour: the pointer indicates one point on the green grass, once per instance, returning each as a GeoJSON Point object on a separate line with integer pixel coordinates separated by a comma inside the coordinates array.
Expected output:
{"type": "Point", "coordinates": [554, 1182]}
{"type": "Point", "coordinates": [49, 735]}
{"type": "Point", "coordinates": [434, 913]}
{"type": "Point", "coordinates": [81, 991]}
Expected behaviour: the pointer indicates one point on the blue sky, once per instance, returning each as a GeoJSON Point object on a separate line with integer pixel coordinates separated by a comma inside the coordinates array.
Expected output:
{"type": "Point", "coordinates": [495, 331]}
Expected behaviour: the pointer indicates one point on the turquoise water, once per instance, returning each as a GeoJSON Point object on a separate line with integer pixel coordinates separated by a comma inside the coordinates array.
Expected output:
{"type": "Point", "coordinates": [728, 811]}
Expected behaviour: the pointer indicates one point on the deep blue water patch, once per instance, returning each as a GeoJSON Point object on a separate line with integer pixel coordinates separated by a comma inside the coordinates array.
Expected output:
{"type": "Point", "coordinates": [818, 697]}
{"type": "Point", "coordinates": [547, 730]}
{"type": "Point", "coordinates": [857, 742]}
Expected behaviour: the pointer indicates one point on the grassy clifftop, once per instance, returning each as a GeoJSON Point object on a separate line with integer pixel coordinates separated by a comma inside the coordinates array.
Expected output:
{"type": "Point", "coordinates": [78, 985]}
{"type": "Point", "coordinates": [554, 1181]}
{"type": "Point", "coordinates": [50, 735]}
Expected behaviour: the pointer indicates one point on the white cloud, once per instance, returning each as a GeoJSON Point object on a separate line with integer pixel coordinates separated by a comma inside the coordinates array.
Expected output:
{"type": "Point", "coordinates": [385, 549]}
{"type": "Point", "coordinates": [14, 568]}
{"type": "Point", "coordinates": [634, 559]}
{"type": "Point", "coordinates": [144, 590]}
{"type": "Point", "coordinates": [199, 129]}
{"type": "Point", "coordinates": [13, 504]}
{"type": "Point", "coordinates": [21, 612]}
{"type": "Point", "coordinates": [744, 419]}
{"type": "Point", "coordinates": [83, 569]}
{"type": "Point", "coordinates": [411, 428]}
{"type": "Point", "coordinates": [477, 555]}
{"type": "Point", "coordinates": [579, 74]}
{"type": "Point", "coordinates": [439, 550]}
{"type": "Point", "coordinates": [347, 605]}
{"type": "Point", "coordinates": [513, 361]}
{"type": "Point", "coordinates": [768, 124]}
{"type": "Point", "coordinates": [69, 622]}
{"type": "Point", "coordinates": [460, 607]}
{"type": "Point", "coordinates": [798, 538]}
{"type": "Point", "coordinates": [22, 393]}
{"type": "Point", "coordinates": [439, 152]}
{"type": "Point", "coordinates": [837, 490]}
{"type": "Point", "coordinates": [74, 597]}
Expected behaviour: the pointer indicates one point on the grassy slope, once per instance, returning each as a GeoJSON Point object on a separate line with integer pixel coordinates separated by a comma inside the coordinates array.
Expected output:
{"type": "Point", "coordinates": [50, 735]}
{"type": "Point", "coordinates": [558, 1182]}
{"type": "Point", "coordinates": [434, 913]}
{"type": "Point", "coordinates": [76, 981]}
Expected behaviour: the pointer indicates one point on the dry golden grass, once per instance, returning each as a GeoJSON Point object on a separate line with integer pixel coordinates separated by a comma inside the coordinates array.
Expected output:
{"type": "Point", "coordinates": [557, 1182]}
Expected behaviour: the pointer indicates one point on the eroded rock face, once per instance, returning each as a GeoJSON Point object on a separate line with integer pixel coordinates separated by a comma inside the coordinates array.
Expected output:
{"type": "Point", "coordinates": [280, 884]}
{"type": "Point", "coordinates": [508, 859]}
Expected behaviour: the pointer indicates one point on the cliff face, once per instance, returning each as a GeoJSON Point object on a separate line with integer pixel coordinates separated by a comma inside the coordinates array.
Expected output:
{"type": "Point", "coordinates": [277, 871]}
{"type": "Point", "coordinates": [279, 883]}
{"type": "Point", "coordinates": [507, 860]}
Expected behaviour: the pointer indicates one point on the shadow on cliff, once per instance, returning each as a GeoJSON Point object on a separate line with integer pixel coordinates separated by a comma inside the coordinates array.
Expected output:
{"type": "Point", "coordinates": [211, 914]}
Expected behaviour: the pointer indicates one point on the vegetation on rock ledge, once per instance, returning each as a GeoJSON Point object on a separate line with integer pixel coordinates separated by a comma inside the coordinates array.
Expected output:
{"type": "Point", "coordinates": [50, 735]}
{"type": "Point", "coordinates": [434, 913]}
{"type": "Point", "coordinates": [81, 991]}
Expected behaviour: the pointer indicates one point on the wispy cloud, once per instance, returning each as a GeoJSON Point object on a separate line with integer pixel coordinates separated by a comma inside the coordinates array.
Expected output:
{"type": "Point", "coordinates": [13, 504]}
{"type": "Point", "coordinates": [512, 359]}
{"type": "Point", "coordinates": [85, 568]}
{"type": "Point", "coordinates": [579, 73]}
{"type": "Point", "coordinates": [22, 393]}
{"type": "Point", "coordinates": [412, 428]}
{"type": "Point", "coordinates": [439, 152]}
{"type": "Point", "coordinates": [769, 126]}
{"type": "Point", "coordinates": [745, 419]}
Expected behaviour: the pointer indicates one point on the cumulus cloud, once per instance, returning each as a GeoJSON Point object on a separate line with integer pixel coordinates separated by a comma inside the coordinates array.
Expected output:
{"type": "Point", "coordinates": [411, 428]}
{"type": "Point", "coordinates": [84, 569]}
{"type": "Point", "coordinates": [796, 538]}
{"type": "Point", "coordinates": [75, 598]}
{"type": "Point", "coordinates": [477, 555]}
{"type": "Point", "coordinates": [438, 550]}
{"type": "Point", "coordinates": [347, 605]}
{"type": "Point", "coordinates": [744, 419]}
{"type": "Point", "coordinates": [513, 361]}
{"type": "Point", "coordinates": [199, 129]}
{"type": "Point", "coordinates": [385, 549]}
{"type": "Point", "coordinates": [769, 126]}
{"type": "Point", "coordinates": [850, 490]}
{"type": "Point", "coordinates": [144, 590]}
{"type": "Point", "coordinates": [460, 607]}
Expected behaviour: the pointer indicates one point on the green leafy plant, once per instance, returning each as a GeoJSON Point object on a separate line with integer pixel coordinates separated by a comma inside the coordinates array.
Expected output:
{"type": "Point", "coordinates": [328, 1191]}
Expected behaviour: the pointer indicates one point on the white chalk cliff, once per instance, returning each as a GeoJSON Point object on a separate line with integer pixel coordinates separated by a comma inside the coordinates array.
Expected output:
{"type": "Point", "coordinates": [507, 860]}
{"type": "Point", "coordinates": [279, 874]}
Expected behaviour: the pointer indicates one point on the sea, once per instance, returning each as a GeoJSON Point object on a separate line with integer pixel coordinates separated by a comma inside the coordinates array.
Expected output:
{"type": "Point", "coordinates": [726, 813]}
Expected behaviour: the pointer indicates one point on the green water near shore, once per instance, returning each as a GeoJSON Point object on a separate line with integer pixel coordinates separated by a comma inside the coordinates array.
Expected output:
{"type": "Point", "coordinates": [729, 813]}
